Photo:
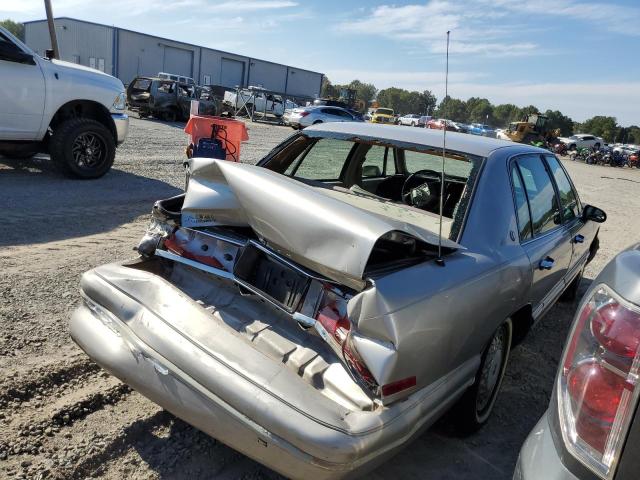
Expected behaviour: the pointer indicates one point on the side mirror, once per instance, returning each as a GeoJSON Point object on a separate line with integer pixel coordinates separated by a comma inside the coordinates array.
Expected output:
{"type": "Point", "coordinates": [594, 214]}
{"type": "Point", "coordinates": [371, 171]}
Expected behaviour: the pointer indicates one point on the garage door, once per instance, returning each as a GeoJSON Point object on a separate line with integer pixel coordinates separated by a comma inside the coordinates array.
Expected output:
{"type": "Point", "coordinates": [178, 61]}
{"type": "Point", "coordinates": [232, 73]}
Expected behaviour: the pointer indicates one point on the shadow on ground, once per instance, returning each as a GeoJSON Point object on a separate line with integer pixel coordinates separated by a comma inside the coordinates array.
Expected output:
{"type": "Point", "coordinates": [40, 205]}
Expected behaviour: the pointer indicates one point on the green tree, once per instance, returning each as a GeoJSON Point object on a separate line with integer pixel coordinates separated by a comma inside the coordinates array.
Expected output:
{"type": "Point", "coordinates": [391, 98]}
{"type": "Point", "coordinates": [328, 90]}
{"type": "Point", "coordinates": [560, 121]}
{"type": "Point", "coordinates": [14, 28]}
{"type": "Point", "coordinates": [427, 103]}
{"type": "Point", "coordinates": [365, 92]}
{"type": "Point", "coordinates": [601, 126]}
{"type": "Point", "coordinates": [453, 109]}
{"type": "Point", "coordinates": [479, 110]}
{"type": "Point", "coordinates": [633, 135]}
{"type": "Point", "coordinates": [505, 113]}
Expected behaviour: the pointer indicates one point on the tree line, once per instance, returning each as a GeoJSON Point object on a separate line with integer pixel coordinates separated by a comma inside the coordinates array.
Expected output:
{"type": "Point", "coordinates": [479, 110]}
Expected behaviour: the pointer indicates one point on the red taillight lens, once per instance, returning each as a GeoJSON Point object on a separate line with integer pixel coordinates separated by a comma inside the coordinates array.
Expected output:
{"type": "Point", "coordinates": [395, 387]}
{"type": "Point", "coordinates": [617, 330]}
{"type": "Point", "coordinates": [304, 114]}
{"type": "Point", "coordinates": [598, 379]}
{"type": "Point", "coordinates": [201, 248]}
{"type": "Point", "coordinates": [335, 326]}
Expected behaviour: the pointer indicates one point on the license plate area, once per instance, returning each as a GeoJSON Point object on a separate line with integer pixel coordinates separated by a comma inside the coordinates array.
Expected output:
{"type": "Point", "coordinates": [271, 277]}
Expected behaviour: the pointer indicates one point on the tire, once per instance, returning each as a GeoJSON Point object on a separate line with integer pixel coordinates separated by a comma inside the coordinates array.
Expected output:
{"type": "Point", "coordinates": [67, 144]}
{"type": "Point", "coordinates": [413, 124]}
{"type": "Point", "coordinates": [572, 146]}
{"type": "Point", "coordinates": [475, 406]}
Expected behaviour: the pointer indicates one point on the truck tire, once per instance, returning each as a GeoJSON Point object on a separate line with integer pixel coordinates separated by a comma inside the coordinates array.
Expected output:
{"type": "Point", "coordinates": [82, 148]}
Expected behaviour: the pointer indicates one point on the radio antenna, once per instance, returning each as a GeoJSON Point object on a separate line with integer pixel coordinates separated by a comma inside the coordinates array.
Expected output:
{"type": "Point", "coordinates": [440, 260]}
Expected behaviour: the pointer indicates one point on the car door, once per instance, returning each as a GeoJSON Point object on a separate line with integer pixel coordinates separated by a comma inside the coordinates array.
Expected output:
{"type": "Point", "coordinates": [22, 94]}
{"type": "Point", "coordinates": [580, 234]}
{"type": "Point", "coordinates": [544, 237]}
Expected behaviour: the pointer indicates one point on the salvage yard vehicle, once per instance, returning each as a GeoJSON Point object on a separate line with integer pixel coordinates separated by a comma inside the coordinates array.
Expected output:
{"type": "Point", "coordinates": [255, 99]}
{"type": "Point", "coordinates": [73, 113]}
{"type": "Point", "coordinates": [592, 426]}
{"type": "Point", "coordinates": [301, 310]}
{"type": "Point", "coordinates": [410, 119]}
{"type": "Point", "coordinates": [581, 140]}
{"type": "Point", "coordinates": [481, 129]}
{"type": "Point", "coordinates": [168, 99]}
{"type": "Point", "coordinates": [305, 116]}
{"type": "Point", "coordinates": [383, 115]}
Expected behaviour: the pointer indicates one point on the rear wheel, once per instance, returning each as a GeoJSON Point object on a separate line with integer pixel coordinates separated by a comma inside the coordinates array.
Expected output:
{"type": "Point", "coordinates": [413, 124]}
{"type": "Point", "coordinates": [475, 406]}
{"type": "Point", "coordinates": [82, 148]}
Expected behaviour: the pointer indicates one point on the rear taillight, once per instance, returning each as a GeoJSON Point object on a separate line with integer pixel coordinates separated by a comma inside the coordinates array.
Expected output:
{"type": "Point", "coordinates": [334, 327]}
{"type": "Point", "coordinates": [597, 384]}
{"type": "Point", "coordinates": [304, 114]}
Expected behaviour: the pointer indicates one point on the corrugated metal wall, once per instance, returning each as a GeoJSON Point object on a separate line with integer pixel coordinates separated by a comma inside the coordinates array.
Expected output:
{"type": "Point", "coordinates": [141, 54]}
{"type": "Point", "coordinates": [271, 76]}
{"type": "Point", "coordinates": [211, 65]}
{"type": "Point", "coordinates": [81, 42]}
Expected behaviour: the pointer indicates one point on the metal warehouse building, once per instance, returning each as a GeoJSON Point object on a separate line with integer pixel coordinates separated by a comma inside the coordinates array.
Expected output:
{"type": "Point", "coordinates": [126, 54]}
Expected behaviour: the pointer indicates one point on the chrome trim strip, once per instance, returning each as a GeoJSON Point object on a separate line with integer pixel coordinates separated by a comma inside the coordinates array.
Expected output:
{"type": "Point", "coordinates": [194, 264]}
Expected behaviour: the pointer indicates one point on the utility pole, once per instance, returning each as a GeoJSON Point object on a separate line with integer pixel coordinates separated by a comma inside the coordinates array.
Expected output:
{"type": "Point", "coordinates": [52, 29]}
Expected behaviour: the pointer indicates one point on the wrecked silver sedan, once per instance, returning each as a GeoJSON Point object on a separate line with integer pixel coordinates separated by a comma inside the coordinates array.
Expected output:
{"type": "Point", "coordinates": [298, 310]}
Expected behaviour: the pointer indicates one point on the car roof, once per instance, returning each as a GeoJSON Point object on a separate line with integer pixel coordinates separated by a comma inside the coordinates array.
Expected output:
{"type": "Point", "coordinates": [460, 142]}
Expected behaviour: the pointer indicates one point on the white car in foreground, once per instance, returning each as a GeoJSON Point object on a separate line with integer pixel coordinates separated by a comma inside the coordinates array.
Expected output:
{"type": "Point", "coordinates": [582, 140]}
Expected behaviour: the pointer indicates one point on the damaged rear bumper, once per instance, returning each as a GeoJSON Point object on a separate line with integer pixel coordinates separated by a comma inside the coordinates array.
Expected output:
{"type": "Point", "coordinates": [224, 387]}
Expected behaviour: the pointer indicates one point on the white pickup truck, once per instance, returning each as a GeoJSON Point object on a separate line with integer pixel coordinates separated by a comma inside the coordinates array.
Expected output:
{"type": "Point", "coordinates": [74, 113]}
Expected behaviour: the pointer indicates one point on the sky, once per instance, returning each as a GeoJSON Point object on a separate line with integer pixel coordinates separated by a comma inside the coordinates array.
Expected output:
{"type": "Point", "coordinates": [579, 57]}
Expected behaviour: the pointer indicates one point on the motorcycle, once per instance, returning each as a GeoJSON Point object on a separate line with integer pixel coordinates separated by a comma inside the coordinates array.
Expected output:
{"type": "Point", "coordinates": [559, 149]}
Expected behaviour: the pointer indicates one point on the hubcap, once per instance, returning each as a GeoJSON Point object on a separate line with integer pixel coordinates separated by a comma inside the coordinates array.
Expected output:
{"type": "Point", "coordinates": [88, 150]}
{"type": "Point", "coordinates": [490, 373]}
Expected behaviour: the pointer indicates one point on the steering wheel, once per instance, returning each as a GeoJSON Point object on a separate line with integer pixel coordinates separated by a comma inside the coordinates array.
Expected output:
{"type": "Point", "coordinates": [405, 192]}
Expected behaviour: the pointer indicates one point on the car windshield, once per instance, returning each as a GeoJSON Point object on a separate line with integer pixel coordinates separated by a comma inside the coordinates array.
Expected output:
{"type": "Point", "coordinates": [384, 111]}
{"type": "Point", "coordinates": [407, 178]}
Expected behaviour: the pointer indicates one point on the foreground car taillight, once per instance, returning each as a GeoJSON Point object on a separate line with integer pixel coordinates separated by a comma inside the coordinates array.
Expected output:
{"type": "Point", "coordinates": [597, 384]}
{"type": "Point", "coordinates": [333, 325]}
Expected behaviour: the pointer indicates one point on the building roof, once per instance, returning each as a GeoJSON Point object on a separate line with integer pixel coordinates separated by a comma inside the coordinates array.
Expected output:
{"type": "Point", "coordinates": [458, 142]}
{"type": "Point", "coordinates": [171, 40]}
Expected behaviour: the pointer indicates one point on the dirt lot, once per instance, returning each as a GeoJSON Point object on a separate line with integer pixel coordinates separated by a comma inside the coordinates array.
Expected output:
{"type": "Point", "coordinates": [61, 417]}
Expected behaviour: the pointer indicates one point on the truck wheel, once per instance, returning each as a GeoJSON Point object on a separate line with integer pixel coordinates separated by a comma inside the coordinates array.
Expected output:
{"type": "Point", "coordinates": [475, 406]}
{"type": "Point", "coordinates": [82, 148]}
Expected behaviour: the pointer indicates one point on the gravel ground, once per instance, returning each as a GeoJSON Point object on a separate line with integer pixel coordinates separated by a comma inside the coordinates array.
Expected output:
{"type": "Point", "coordinates": [62, 417]}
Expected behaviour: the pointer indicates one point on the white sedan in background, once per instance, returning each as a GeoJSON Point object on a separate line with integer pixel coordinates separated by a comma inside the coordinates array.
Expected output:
{"type": "Point", "coordinates": [582, 140]}
{"type": "Point", "coordinates": [410, 119]}
{"type": "Point", "coordinates": [303, 117]}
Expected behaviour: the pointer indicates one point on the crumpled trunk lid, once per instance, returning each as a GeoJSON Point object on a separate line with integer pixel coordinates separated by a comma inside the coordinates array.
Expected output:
{"type": "Point", "coordinates": [307, 224]}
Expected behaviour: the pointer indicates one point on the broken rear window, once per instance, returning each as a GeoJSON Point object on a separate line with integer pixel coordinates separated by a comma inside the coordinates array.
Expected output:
{"type": "Point", "coordinates": [142, 84]}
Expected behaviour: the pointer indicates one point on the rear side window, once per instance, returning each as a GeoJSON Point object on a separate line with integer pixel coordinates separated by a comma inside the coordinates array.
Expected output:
{"type": "Point", "coordinates": [377, 161]}
{"type": "Point", "coordinates": [543, 205]}
{"type": "Point", "coordinates": [323, 161]}
{"type": "Point", "coordinates": [522, 207]}
{"type": "Point", "coordinates": [568, 197]}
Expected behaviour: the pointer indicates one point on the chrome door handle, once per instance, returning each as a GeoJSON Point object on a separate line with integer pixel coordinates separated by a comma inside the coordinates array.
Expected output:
{"type": "Point", "coordinates": [546, 263]}
{"type": "Point", "coordinates": [578, 239]}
